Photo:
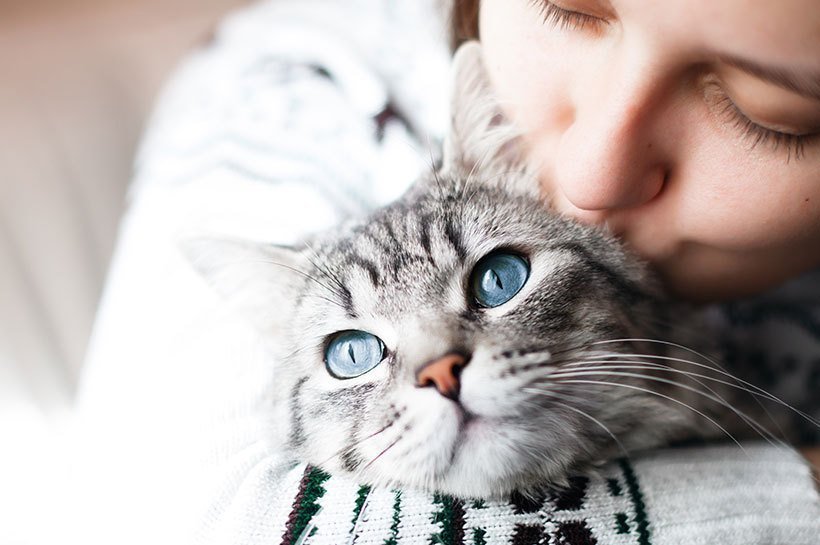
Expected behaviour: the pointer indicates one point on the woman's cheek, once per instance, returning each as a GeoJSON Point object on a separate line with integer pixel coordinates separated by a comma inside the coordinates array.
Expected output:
{"type": "Point", "coordinates": [735, 200]}
{"type": "Point", "coordinates": [524, 65]}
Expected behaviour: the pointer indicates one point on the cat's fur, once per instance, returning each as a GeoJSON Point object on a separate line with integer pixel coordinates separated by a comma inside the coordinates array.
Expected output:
{"type": "Point", "coordinates": [534, 403]}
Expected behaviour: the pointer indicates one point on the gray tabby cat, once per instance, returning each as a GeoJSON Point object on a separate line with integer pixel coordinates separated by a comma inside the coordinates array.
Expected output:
{"type": "Point", "coordinates": [464, 339]}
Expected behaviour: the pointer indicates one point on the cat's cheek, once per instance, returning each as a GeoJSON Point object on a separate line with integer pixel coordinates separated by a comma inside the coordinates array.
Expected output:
{"type": "Point", "coordinates": [485, 396]}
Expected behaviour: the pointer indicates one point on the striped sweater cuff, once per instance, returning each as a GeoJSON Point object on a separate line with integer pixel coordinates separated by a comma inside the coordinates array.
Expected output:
{"type": "Point", "coordinates": [763, 495]}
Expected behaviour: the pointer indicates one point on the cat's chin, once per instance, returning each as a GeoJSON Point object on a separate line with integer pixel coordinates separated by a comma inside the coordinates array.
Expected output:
{"type": "Point", "coordinates": [490, 464]}
{"type": "Point", "coordinates": [476, 480]}
{"type": "Point", "coordinates": [486, 459]}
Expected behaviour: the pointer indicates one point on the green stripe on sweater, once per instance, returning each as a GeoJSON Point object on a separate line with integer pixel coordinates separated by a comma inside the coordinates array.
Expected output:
{"type": "Point", "coordinates": [305, 505]}
{"type": "Point", "coordinates": [641, 520]}
{"type": "Point", "coordinates": [450, 516]}
{"type": "Point", "coordinates": [394, 527]}
{"type": "Point", "coordinates": [361, 496]}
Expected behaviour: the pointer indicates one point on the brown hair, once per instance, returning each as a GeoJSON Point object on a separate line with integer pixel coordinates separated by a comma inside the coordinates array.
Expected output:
{"type": "Point", "coordinates": [463, 21]}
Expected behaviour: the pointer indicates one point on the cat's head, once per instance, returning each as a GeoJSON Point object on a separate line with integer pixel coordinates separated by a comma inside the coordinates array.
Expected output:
{"type": "Point", "coordinates": [438, 342]}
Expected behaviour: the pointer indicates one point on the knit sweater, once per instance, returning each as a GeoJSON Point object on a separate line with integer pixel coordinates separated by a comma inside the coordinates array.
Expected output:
{"type": "Point", "coordinates": [299, 114]}
{"type": "Point", "coordinates": [705, 495]}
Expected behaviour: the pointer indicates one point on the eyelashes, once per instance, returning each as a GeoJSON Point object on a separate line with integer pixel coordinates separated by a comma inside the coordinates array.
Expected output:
{"type": "Point", "coordinates": [756, 135]}
{"type": "Point", "coordinates": [565, 19]}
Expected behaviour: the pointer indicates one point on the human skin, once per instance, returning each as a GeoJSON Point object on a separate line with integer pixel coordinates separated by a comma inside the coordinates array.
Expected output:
{"type": "Point", "coordinates": [639, 115]}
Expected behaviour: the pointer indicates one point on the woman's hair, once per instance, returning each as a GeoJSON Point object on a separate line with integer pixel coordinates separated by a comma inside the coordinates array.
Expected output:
{"type": "Point", "coordinates": [463, 21]}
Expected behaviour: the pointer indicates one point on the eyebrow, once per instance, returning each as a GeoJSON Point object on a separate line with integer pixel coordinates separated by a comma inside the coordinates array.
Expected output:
{"type": "Point", "coordinates": [807, 85]}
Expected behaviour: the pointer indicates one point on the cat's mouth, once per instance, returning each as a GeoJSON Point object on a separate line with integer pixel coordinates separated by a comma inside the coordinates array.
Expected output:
{"type": "Point", "coordinates": [468, 420]}
{"type": "Point", "coordinates": [474, 427]}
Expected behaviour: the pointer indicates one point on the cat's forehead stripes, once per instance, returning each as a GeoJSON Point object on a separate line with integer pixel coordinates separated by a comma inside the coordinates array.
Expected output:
{"type": "Point", "coordinates": [424, 238]}
{"type": "Point", "coordinates": [369, 266]}
{"type": "Point", "coordinates": [454, 236]}
{"type": "Point", "coordinates": [416, 253]}
{"type": "Point", "coordinates": [399, 250]}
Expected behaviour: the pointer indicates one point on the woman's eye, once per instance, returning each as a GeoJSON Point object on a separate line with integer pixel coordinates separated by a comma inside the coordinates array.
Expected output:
{"type": "Point", "coordinates": [756, 135]}
{"type": "Point", "coordinates": [353, 353]}
{"type": "Point", "coordinates": [498, 277]}
{"type": "Point", "coordinates": [565, 18]}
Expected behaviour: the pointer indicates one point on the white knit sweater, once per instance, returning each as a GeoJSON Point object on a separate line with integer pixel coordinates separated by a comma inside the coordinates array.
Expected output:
{"type": "Point", "coordinates": [301, 113]}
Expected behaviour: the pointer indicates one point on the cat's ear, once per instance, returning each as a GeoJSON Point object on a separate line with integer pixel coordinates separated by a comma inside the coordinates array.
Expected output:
{"type": "Point", "coordinates": [262, 281]}
{"type": "Point", "coordinates": [480, 138]}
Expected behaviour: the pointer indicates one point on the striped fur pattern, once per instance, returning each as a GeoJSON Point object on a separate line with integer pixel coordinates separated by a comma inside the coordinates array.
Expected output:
{"type": "Point", "coordinates": [525, 416]}
{"type": "Point", "coordinates": [402, 275]}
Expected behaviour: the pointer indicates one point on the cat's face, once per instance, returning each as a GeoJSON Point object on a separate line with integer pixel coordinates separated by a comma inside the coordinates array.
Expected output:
{"type": "Point", "coordinates": [429, 346]}
{"type": "Point", "coordinates": [446, 341]}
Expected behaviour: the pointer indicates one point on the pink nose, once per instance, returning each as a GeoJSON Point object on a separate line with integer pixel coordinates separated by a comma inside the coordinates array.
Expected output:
{"type": "Point", "coordinates": [443, 373]}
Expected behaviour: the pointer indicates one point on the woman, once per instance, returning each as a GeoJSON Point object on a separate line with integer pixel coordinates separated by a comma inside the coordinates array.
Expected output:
{"type": "Point", "coordinates": [693, 131]}
{"type": "Point", "coordinates": [642, 115]}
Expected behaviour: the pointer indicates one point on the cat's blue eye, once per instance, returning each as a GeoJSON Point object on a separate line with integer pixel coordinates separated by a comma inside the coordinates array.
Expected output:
{"type": "Point", "coordinates": [498, 277]}
{"type": "Point", "coordinates": [353, 353]}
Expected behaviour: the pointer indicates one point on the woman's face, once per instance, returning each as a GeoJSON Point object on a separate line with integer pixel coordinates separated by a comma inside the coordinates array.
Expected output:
{"type": "Point", "coordinates": [690, 127]}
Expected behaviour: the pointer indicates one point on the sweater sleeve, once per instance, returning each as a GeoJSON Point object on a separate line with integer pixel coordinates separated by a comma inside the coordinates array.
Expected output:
{"type": "Point", "coordinates": [298, 101]}
{"type": "Point", "coordinates": [761, 495]}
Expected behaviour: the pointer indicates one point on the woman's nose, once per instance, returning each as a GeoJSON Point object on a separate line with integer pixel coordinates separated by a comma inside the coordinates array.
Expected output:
{"type": "Point", "coordinates": [611, 153]}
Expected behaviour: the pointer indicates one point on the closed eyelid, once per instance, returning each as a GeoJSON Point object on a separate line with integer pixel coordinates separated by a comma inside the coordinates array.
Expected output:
{"type": "Point", "coordinates": [565, 18]}
{"type": "Point", "coordinates": [807, 85]}
{"type": "Point", "coordinates": [752, 132]}
{"type": "Point", "coordinates": [594, 8]}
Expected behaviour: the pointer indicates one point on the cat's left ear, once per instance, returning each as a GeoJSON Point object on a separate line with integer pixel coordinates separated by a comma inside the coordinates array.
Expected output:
{"type": "Point", "coordinates": [262, 281]}
{"type": "Point", "coordinates": [480, 138]}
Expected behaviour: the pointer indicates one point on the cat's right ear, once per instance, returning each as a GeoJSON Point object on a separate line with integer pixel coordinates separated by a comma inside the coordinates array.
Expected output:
{"type": "Point", "coordinates": [261, 281]}
{"type": "Point", "coordinates": [480, 138]}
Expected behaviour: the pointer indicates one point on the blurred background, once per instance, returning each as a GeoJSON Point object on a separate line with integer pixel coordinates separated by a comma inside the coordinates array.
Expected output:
{"type": "Point", "coordinates": [77, 81]}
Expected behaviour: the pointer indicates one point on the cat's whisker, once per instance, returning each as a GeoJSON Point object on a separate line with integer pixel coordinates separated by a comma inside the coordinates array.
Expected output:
{"type": "Point", "coordinates": [746, 386]}
{"type": "Point", "coordinates": [577, 348]}
{"type": "Point", "coordinates": [563, 394]}
{"type": "Point", "coordinates": [301, 272]}
{"type": "Point", "coordinates": [738, 384]}
{"type": "Point", "coordinates": [327, 299]}
{"type": "Point", "coordinates": [434, 170]}
{"type": "Point", "coordinates": [304, 348]}
{"type": "Point", "coordinates": [467, 179]}
{"type": "Point", "coordinates": [581, 412]}
{"type": "Point", "coordinates": [318, 263]}
{"type": "Point", "coordinates": [759, 428]}
{"type": "Point", "coordinates": [379, 455]}
{"type": "Point", "coordinates": [652, 392]}
{"type": "Point", "coordinates": [717, 368]}
{"type": "Point", "coordinates": [659, 341]}
{"type": "Point", "coordinates": [357, 443]}
{"type": "Point", "coordinates": [615, 358]}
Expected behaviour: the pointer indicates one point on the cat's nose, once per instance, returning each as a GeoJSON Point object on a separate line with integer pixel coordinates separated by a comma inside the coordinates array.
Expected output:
{"type": "Point", "coordinates": [443, 373]}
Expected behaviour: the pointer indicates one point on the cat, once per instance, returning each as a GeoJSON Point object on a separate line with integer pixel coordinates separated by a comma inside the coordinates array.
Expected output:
{"type": "Point", "coordinates": [467, 340]}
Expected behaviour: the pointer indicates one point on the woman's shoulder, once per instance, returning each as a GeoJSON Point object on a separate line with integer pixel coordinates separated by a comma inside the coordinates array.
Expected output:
{"type": "Point", "coordinates": [796, 302]}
